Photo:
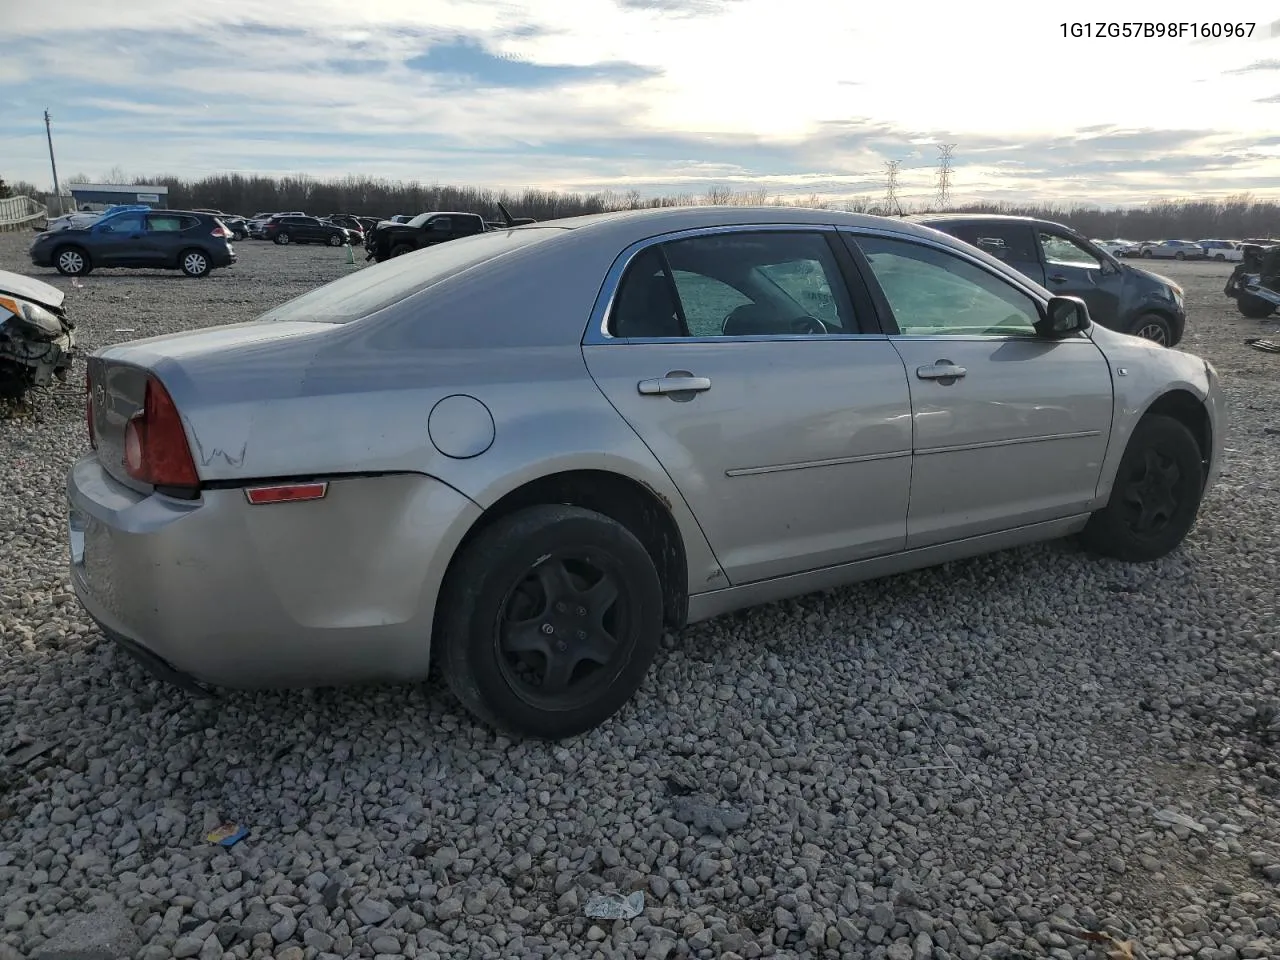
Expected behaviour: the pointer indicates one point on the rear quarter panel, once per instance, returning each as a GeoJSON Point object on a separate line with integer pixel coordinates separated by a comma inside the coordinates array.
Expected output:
{"type": "Point", "coordinates": [357, 397]}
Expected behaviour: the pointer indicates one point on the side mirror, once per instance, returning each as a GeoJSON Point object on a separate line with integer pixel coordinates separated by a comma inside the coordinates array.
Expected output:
{"type": "Point", "coordinates": [1064, 316]}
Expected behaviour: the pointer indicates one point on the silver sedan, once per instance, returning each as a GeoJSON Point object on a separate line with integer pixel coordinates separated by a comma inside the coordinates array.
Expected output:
{"type": "Point", "coordinates": [528, 452]}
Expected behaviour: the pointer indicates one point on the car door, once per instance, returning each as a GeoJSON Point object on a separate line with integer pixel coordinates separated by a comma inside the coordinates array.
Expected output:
{"type": "Point", "coordinates": [119, 242]}
{"type": "Point", "coordinates": [786, 425]}
{"type": "Point", "coordinates": [1072, 269]}
{"type": "Point", "coordinates": [1009, 428]}
{"type": "Point", "coordinates": [164, 237]}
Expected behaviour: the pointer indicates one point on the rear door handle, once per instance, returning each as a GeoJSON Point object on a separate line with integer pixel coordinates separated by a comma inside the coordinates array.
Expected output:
{"type": "Point", "coordinates": [942, 370]}
{"type": "Point", "coordinates": [676, 382]}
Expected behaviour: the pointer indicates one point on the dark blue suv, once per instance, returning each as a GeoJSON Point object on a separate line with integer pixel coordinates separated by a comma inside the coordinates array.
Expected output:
{"type": "Point", "coordinates": [137, 236]}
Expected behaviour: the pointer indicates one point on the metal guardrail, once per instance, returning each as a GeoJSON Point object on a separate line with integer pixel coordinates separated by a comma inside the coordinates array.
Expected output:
{"type": "Point", "coordinates": [17, 213]}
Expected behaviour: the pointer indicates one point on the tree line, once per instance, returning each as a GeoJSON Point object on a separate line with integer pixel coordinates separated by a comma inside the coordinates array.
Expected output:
{"type": "Point", "coordinates": [1234, 217]}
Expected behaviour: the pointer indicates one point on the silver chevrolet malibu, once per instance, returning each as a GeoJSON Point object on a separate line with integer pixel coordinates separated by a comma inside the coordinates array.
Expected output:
{"type": "Point", "coordinates": [528, 452]}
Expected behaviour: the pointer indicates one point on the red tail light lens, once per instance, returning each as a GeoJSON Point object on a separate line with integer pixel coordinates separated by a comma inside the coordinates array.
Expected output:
{"type": "Point", "coordinates": [155, 443]}
{"type": "Point", "coordinates": [88, 410]}
{"type": "Point", "coordinates": [222, 232]}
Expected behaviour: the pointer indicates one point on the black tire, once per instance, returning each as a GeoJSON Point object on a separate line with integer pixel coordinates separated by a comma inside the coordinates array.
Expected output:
{"type": "Point", "coordinates": [1220, 257]}
{"type": "Point", "coordinates": [1179, 255]}
{"type": "Point", "coordinates": [1158, 486]}
{"type": "Point", "coordinates": [1146, 254]}
{"type": "Point", "coordinates": [72, 261]}
{"type": "Point", "coordinates": [282, 238]}
{"type": "Point", "coordinates": [194, 262]}
{"type": "Point", "coordinates": [400, 249]}
{"type": "Point", "coordinates": [335, 240]}
{"type": "Point", "coordinates": [1255, 308]}
{"type": "Point", "coordinates": [508, 567]}
{"type": "Point", "coordinates": [1154, 327]}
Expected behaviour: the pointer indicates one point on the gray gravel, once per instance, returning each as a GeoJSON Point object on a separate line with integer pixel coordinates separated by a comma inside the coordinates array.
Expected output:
{"type": "Point", "coordinates": [970, 761]}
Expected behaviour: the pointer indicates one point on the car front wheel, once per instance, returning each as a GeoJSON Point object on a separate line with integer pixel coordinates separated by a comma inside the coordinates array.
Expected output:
{"type": "Point", "coordinates": [72, 262]}
{"type": "Point", "coordinates": [282, 238]}
{"type": "Point", "coordinates": [549, 620]}
{"type": "Point", "coordinates": [1156, 494]}
{"type": "Point", "coordinates": [1154, 327]}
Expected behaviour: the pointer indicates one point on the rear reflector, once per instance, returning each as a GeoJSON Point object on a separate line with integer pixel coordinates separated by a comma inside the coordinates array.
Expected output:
{"type": "Point", "coordinates": [286, 493]}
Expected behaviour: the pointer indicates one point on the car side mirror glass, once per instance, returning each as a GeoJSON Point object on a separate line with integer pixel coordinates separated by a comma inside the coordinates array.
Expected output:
{"type": "Point", "coordinates": [1063, 316]}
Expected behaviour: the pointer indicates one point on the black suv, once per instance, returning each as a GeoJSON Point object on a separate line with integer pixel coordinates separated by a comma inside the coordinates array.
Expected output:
{"type": "Point", "coordinates": [294, 229]}
{"type": "Point", "coordinates": [1121, 297]}
{"type": "Point", "coordinates": [185, 240]}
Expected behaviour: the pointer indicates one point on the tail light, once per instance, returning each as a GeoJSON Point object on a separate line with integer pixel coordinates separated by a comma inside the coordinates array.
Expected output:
{"type": "Point", "coordinates": [88, 410]}
{"type": "Point", "coordinates": [155, 443]}
{"type": "Point", "coordinates": [223, 232]}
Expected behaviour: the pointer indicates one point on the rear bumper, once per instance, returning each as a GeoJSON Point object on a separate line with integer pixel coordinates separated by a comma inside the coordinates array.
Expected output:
{"type": "Point", "coordinates": [332, 591]}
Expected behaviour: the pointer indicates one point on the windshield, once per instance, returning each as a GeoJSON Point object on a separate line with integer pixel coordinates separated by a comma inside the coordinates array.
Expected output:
{"type": "Point", "coordinates": [370, 289]}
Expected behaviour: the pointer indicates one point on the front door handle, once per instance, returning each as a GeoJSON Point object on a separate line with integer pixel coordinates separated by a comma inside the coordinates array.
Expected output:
{"type": "Point", "coordinates": [677, 381]}
{"type": "Point", "coordinates": [1057, 278]}
{"type": "Point", "coordinates": [942, 370]}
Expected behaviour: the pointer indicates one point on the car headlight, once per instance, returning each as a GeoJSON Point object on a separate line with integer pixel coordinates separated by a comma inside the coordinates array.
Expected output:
{"type": "Point", "coordinates": [33, 315]}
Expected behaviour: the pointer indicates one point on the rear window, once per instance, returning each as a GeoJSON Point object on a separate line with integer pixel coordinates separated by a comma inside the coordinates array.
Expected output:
{"type": "Point", "coordinates": [373, 288]}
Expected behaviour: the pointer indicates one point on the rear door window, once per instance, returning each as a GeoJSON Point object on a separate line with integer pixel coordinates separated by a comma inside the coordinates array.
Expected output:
{"type": "Point", "coordinates": [166, 223]}
{"type": "Point", "coordinates": [1005, 241]}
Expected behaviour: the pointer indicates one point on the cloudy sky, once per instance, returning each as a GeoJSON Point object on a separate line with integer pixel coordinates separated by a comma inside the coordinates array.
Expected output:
{"type": "Point", "coordinates": [796, 96]}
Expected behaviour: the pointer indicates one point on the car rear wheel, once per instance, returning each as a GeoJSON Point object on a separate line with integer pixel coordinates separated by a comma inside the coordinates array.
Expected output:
{"type": "Point", "coordinates": [194, 263]}
{"type": "Point", "coordinates": [1146, 254]}
{"type": "Point", "coordinates": [1154, 327]}
{"type": "Point", "coordinates": [1220, 257]}
{"type": "Point", "coordinates": [549, 620]}
{"type": "Point", "coordinates": [72, 262]}
{"type": "Point", "coordinates": [282, 238]}
{"type": "Point", "coordinates": [1179, 255]}
{"type": "Point", "coordinates": [1156, 495]}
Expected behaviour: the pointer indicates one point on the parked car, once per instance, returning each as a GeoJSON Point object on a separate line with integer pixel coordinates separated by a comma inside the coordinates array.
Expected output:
{"type": "Point", "coordinates": [1120, 296]}
{"type": "Point", "coordinates": [295, 229]}
{"type": "Point", "coordinates": [1129, 250]}
{"type": "Point", "coordinates": [37, 335]}
{"type": "Point", "coordinates": [1221, 250]}
{"type": "Point", "coordinates": [348, 223]}
{"type": "Point", "coordinates": [239, 226]}
{"type": "Point", "coordinates": [1255, 283]}
{"type": "Point", "coordinates": [535, 450]}
{"type": "Point", "coordinates": [1172, 250]}
{"type": "Point", "coordinates": [69, 220]}
{"type": "Point", "coordinates": [185, 240]}
{"type": "Point", "coordinates": [1113, 247]}
{"type": "Point", "coordinates": [427, 229]}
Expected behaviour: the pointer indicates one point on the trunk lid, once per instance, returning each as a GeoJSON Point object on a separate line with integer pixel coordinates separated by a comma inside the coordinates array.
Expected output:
{"type": "Point", "coordinates": [118, 376]}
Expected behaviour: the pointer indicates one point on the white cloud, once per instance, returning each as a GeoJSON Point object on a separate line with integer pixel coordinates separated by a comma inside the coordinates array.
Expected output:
{"type": "Point", "coordinates": [770, 75]}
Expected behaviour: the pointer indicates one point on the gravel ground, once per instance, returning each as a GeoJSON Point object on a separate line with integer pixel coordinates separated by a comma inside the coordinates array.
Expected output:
{"type": "Point", "coordinates": [988, 759]}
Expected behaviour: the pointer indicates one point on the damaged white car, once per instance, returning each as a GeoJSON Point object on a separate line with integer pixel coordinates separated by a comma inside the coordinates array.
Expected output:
{"type": "Point", "coordinates": [37, 338]}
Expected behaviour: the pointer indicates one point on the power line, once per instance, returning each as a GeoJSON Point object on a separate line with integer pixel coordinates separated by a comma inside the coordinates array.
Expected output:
{"type": "Point", "coordinates": [944, 174]}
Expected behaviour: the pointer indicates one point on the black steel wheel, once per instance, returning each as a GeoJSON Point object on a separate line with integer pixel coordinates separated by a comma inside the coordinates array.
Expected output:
{"type": "Point", "coordinates": [1156, 494]}
{"type": "Point", "coordinates": [549, 620]}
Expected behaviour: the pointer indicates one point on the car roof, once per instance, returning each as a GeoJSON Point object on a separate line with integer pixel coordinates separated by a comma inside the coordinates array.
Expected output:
{"type": "Point", "coordinates": [985, 218]}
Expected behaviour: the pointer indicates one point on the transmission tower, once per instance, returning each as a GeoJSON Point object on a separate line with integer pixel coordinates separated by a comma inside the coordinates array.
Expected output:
{"type": "Point", "coordinates": [891, 185]}
{"type": "Point", "coordinates": [944, 174]}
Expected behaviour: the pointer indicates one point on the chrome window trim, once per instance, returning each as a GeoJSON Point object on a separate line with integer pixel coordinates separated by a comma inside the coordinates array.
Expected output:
{"type": "Point", "coordinates": [1018, 281]}
{"type": "Point", "coordinates": [598, 326]}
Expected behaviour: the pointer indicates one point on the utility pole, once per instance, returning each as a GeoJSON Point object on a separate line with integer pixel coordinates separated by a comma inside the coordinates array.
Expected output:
{"type": "Point", "coordinates": [891, 186]}
{"type": "Point", "coordinates": [48, 132]}
{"type": "Point", "coordinates": [944, 174]}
